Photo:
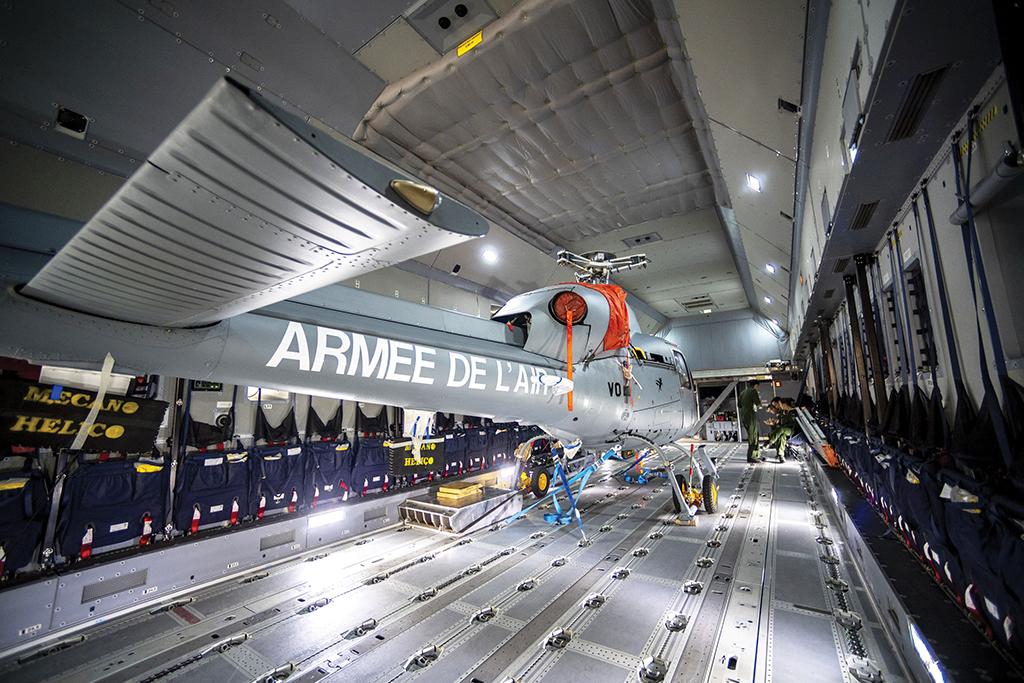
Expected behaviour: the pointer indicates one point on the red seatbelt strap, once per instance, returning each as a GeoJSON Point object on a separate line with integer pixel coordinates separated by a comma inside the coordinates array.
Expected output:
{"type": "Point", "coordinates": [234, 511]}
{"type": "Point", "coordinates": [316, 495]}
{"type": "Point", "coordinates": [262, 507]}
{"type": "Point", "coordinates": [3, 559]}
{"type": "Point", "coordinates": [344, 487]}
{"type": "Point", "coordinates": [294, 502]}
{"type": "Point", "coordinates": [366, 485]}
{"type": "Point", "coordinates": [86, 550]}
{"type": "Point", "coordinates": [147, 529]}
{"type": "Point", "coordinates": [384, 488]}
{"type": "Point", "coordinates": [414, 478]}
{"type": "Point", "coordinates": [196, 516]}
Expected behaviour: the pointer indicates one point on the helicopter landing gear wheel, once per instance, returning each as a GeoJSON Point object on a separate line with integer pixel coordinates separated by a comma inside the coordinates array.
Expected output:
{"type": "Point", "coordinates": [540, 482]}
{"type": "Point", "coordinates": [710, 494]}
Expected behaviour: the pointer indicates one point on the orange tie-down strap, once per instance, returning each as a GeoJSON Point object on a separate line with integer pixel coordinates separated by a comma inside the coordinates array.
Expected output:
{"type": "Point", "coordinates": [617, 334]}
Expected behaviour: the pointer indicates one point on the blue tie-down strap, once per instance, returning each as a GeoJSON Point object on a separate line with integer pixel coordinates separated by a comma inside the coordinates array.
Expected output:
{"type": "Point", "coordinates": [109, 505]}
{"type": "Point", "coordinates": [212, 490]}
{"type": "Point", "coordinates": [581, 478]}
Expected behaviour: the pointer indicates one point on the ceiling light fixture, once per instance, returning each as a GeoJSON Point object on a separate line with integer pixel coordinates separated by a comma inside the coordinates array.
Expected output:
{"type": "Point", "coordinates": [754, 183]}
{"type": "Point", "coordinates": [490, 255]}
{"type": "Point", "coordinates": [767, 299]}
{"type": "Point", "coordinates": [706, 311]}
{"type": "Point", "coordinates": [770, 268]}
{"type": "Point", "coordinates": [776, 321]}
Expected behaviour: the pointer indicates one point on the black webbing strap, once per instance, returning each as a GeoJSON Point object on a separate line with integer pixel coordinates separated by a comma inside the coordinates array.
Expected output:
{"type": "Point", "coordinates": [905, 308]}
{"type": "Point", "coordinates": [940, 280]}
{"type": "Point", "coordinates": [976, 274]}
{"type": "Point", "coordinates": [932, 351]}
{"type": "Point", "coordinates": [285, 432]}
{"type": "Point", "coordinates": [898, 313]}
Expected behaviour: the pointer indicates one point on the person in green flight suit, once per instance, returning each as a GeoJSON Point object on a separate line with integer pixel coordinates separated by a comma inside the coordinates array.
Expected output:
{"type": "Point", "coordinates": [749, 402]}
{"type": "Point", "coordinates": [784, 425]}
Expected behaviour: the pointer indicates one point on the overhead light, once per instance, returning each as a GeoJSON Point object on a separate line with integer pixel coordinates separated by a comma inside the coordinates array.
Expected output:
{"type": "Point", "coordinates": [490, 255]}
{"type": "Point", "coordinates": [754, 183]}
{"type": "Point", "coordinates": [767, 299]}
{"type": "Point", "coordinates": [770, 268]}
{"type": "Point", "coordinates": [776, 321]}
{"type": "Point", "coordinates": [853, 152]}
{"type": "Point", "coordinates": [706, 311]}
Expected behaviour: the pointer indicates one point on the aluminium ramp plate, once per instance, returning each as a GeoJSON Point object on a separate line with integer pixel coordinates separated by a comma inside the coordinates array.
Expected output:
{"type": "Point", "coordinates": [744, 596]}
{"type": "Point", "coordinates": [243, 205]}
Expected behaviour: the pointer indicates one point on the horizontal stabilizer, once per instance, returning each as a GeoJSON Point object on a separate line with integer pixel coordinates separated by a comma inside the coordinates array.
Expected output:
{"type": "Point", "coordinates": [244, 205]}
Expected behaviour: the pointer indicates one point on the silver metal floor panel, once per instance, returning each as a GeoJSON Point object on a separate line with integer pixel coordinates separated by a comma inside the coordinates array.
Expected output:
{"type": "Point", "coordinates": [747, 582]}
{"type": "Point", "coordinates": [798, 583]}
{"type": "Point", "coordinates": [803, 650]}
{"type": "Point", "coordinates": [630, 615]}
{"type": "Point", "coordinates": [574, 666]}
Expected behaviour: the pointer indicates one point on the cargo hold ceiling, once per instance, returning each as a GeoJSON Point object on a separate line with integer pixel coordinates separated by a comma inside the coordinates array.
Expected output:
{"type": "Point", "coordinates": [571, 125]}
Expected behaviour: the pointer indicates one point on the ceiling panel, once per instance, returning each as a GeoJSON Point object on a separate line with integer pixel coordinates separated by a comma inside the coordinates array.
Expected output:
{"type": "Point", "coordinates": [691, 259]}
{"type": "Point", "coordinates": [565, 122]}
{"type": "Point", "coordinates": [350, 24]}
{"type": "Point", "coordinates": [746, 55]}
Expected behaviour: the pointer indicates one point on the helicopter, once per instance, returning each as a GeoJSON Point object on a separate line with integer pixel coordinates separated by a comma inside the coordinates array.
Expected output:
{"type": "Point", "coordinates": [211, 262]}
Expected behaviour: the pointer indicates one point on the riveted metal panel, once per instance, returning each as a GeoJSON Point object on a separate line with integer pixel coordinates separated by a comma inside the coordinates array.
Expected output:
{"type": "Point", "coordinates": [240, 207]}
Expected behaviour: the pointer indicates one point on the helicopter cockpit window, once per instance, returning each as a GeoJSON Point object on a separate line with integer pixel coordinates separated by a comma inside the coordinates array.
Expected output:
{"type": "Point", "coordinates": [522, 321]}
{"type": "Point", "coordinates": [685, 380]}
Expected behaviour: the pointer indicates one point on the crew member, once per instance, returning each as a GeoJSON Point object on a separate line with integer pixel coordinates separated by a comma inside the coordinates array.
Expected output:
{"type": "Point", "coordinates": [785, 425]}
{"type": "Point", "coordinates": [749, 402]}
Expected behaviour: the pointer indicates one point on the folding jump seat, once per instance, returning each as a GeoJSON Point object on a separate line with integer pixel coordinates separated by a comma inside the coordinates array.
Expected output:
{"type": "Point", "coordinates": [213, 485]}
{"type": "Point", "coordinates": [278, 474]}
{"type": "Point", "coordinates": [370, 468]}
{"type": "Point", "coordinates": [330, 458]}
{"type": "Point", "coordinates": [1007, 558]}
{"type": "Point", "coordinates": [213, 489]}
{"type": "Point", "coordinates": [973, 537]}
{"type": "Point", "coordinates": [24, 501]}
{"type": "Point", "coordinates": [500, 436]}
{"type": "Point", "coordinates": [477, 448]}
{"type": "Point", "coordinates": [455, 444]}
{"type": "Point", "coordinates": [111, 504]}
{"type": "Point", "coordinates": [278, 469]}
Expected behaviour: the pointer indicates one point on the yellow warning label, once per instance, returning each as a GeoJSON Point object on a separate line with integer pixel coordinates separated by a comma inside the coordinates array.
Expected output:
{"type": "Point", "coordinates": [469, 43]}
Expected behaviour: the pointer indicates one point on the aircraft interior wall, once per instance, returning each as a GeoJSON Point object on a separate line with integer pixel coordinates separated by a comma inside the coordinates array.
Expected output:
{"type": "Point", "coordinates": [612, 218]}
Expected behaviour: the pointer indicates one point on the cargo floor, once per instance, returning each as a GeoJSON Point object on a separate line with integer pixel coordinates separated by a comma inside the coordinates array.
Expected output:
{"type": "Point", "coordinates": [749, 594]}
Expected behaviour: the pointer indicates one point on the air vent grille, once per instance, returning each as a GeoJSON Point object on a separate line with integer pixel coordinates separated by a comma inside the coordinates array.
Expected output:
{"type": "Point", "coordinates": [841, 264]}
{"type": "Point", "coordinates": [916, 101]}
{"type": "Point", "coordinates": [697, 303]}
{"type": "Point", "coordinates": [641, 240]}
{"type": "Point", "coordinates": [863, 216]}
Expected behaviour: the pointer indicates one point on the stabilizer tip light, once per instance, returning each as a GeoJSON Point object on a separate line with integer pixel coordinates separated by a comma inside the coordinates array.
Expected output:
{"type": "Point", "coordinates": [419, 196]}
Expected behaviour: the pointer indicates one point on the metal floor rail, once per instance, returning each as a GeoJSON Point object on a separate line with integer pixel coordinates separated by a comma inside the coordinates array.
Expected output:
{"type": "Point", "coordinates": [763, 590]}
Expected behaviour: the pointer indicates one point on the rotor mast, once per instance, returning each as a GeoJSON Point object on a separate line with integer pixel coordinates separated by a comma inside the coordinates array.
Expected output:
{"type": "Point", "coordinates": [597, 267]}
